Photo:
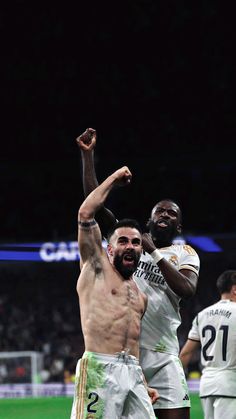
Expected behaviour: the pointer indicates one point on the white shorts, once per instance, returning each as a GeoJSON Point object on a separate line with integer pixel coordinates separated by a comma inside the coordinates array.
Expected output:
{"type": "Point", "coordinates": [110, 387]}
{"type": "Point", "coordinates": [219, 407]}
{"type": "Point", "coordinates": [165, 373]}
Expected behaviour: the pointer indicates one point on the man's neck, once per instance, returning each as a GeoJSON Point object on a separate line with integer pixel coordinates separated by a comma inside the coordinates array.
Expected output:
{"type": "Point", "coordinates": [162, 243]}
{"type": "Point", "coordinates": [228, 296]}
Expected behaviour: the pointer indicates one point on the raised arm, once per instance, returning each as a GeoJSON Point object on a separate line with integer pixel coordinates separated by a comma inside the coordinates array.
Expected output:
{"type": "Point", "coordinates": [87, 143]}
{"type": "Point", "coordinates": [89, 235]}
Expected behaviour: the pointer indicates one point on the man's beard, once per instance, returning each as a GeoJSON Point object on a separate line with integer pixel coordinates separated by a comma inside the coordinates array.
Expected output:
{"type": "Point", "coordinates": [126, 271]}
{"type": "Point", "coordinates": [162, 236]}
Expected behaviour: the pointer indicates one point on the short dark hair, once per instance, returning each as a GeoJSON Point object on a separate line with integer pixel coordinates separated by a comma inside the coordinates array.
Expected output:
{"type": "Point", "coordinates": [225, 281]}
{"type": "Point", "coordinates": [125, 222]}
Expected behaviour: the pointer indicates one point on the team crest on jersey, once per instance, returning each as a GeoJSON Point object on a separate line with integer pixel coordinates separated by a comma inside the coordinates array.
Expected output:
{"type": "Point", "coordinates": [189, 249]}
{"type": "Point", "coordinates": [174, 260]}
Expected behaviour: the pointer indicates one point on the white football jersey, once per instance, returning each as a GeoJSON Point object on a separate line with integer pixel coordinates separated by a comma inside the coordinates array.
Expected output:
{"type": "Point", "coordinates": [215, 328]}
{"type": "Point", "coordinates": [162, 317]}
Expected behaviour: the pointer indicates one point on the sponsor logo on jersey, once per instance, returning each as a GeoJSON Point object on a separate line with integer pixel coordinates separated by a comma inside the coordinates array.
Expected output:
{"type": "Point", "coordinates": [149, 272]}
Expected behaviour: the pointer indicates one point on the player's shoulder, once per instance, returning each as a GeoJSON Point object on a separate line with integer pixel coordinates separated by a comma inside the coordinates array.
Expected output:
{"type": "Point", "coordinates": [182, 248]}
{"type": "Point", "coordinates": [206, 310]}
{"type": "Point", "coordinates": [188, 249]}
{"type": "Point", "coordinates": [217, 307]}
{"type": "Point", "coordinates": [227, 305]}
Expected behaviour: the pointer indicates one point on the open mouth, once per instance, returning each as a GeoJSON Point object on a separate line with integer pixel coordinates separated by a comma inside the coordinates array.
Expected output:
{"type": "Point", "coordinates": [162, 224]}
{"type": "Point", "coordinates": [128, 259]}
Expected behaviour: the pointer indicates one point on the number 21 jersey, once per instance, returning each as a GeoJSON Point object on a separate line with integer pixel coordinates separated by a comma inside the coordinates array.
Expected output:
{"type": "Point", "coordinates": [215, 328]}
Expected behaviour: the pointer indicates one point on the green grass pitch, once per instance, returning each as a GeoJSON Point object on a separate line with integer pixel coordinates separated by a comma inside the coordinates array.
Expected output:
{"type": "Point", "coordinates": [58, 408]}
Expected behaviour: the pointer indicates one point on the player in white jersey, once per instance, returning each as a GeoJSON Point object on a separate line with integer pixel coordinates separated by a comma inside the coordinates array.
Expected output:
{"type": "Point", "coordinates": [166, 273]}
{"type": "Point", "coordinates": [214, 330]}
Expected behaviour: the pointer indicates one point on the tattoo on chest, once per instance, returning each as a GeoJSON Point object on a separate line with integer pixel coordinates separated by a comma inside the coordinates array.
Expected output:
{"type": "Point", "coordinates": [131, 293]}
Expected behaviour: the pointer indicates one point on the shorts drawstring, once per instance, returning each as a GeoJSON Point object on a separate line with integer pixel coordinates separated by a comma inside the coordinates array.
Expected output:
{"type": "Point", "coordinates": [124, 355]}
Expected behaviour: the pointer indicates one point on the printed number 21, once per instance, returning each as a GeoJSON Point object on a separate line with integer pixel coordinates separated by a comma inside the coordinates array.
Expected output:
{"type": "Point", "coordinates": [211, 328]}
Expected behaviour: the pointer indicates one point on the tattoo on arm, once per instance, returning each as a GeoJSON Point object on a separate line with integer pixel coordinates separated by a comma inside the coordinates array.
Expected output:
{"type": "Point", "coordinates": [87, 224]}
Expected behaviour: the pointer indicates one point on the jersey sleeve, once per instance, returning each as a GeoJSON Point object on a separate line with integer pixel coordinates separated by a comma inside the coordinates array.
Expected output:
{"type": "Point", "coordinates": [194, 331]}
{"type": "Point", "coordinates": [189, 259]}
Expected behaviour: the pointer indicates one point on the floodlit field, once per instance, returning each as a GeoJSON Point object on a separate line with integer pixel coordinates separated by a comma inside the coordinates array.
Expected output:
{"type": "Point", "coordinates": [58, 408]}
{"type": "Point", "coordinates": [36, 408]}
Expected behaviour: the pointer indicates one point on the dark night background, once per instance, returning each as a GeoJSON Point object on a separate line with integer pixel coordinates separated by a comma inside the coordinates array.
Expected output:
{"type": "Point", "coordinates": [157, 82]}
{"type": "Point", "coordinates": [155, 79]}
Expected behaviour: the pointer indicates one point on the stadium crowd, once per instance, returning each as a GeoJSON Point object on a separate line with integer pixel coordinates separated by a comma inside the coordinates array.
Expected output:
{"type": "Point", "coordinates": [39, 312]}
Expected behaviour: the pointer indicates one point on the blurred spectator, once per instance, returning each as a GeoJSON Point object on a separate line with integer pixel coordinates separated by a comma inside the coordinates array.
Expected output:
{"type": "Point", "coordinates": [69, 377]}
{"type": "Point", "coordinates": [39, 312]}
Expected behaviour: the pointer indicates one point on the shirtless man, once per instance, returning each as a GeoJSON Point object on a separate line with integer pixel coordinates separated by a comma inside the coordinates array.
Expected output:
{"type": "Point", "coordinates": [166, 273]}
{"type": "Point", "coordinates": [109, 380]}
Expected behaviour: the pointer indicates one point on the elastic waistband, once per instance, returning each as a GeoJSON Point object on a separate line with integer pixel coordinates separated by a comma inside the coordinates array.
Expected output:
{"type": "Point", "coordinates": [121, 357]}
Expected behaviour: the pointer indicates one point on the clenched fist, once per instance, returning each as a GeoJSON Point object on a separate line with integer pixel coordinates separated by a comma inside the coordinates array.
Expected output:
{"type": "Point", "coordinates": [87, 140]}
